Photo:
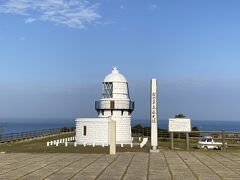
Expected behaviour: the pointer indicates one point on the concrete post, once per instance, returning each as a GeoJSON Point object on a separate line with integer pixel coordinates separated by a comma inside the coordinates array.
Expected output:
{"type": "Point", "coordinates": [187, 140]}
{"type": "Point", "coordinates": [172, 140]}
{"type": "Point", "coordinates": [112, 137]}
{"type": "Point", "coordinates": [223, 140]}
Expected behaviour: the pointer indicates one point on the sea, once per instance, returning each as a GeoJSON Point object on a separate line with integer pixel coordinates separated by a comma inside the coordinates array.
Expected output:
{"type": "Point", "coordinates": [7, 127]}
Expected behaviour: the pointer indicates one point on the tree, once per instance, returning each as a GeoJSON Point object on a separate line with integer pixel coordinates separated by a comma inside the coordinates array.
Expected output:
{"type": "Point", "coordinates": [180, 116]}
{"type": "Point", "coordinates": [195, 128]}
{"type": "Point", "coordinates": [138, 126]}
{"type": "Point", "coordinates": [195, 134]}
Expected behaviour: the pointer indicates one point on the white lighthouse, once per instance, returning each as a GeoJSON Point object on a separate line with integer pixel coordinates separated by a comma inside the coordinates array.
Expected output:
{"type": "Point", "coordinates": [115, 104]}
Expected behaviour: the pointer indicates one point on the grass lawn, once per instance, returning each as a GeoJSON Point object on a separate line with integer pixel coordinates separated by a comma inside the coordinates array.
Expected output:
{"type": "Point", "coordinates": [39, 145]}
{"type": "Point", "coordinates": [180, 144]}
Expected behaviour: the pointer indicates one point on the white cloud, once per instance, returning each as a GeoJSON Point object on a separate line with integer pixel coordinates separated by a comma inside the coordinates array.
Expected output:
{"type": "Point", "coordinates": [122, 7]}
{"type": "Point", "coordinates": [22, 38]}
{"type": "Point", "coordinates": [152, 7]}
{"type": "Point", "coordinates": [30, 20]}
{"type": "Point", "coordinates": [72, 13]}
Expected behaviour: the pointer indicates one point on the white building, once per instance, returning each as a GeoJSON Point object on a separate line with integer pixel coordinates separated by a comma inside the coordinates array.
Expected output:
{"type": "Point", "coordinates": [115, 104]}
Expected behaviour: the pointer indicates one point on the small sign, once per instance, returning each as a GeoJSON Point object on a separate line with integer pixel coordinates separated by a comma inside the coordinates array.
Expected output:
{"type": "Point", "coordinates": [179, 125]}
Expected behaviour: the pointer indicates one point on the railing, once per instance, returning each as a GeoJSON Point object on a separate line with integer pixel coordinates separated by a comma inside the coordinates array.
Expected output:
{"type": "Point", "coordinates": [231, 138]}
{"type": "Point", "coordinates": [193, 134]}
{"type": "Point", "coordinates": [32, 134]}
{"type": "Point", "coordinates": [115, 104]}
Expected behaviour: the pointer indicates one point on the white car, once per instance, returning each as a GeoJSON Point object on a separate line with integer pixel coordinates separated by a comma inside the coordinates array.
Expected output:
{"type": "Point", "coordinates": [207, 142]}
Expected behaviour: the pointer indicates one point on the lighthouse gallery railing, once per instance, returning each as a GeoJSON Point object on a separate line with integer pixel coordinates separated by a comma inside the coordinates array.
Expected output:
{"type": "Point", "coordinates": [114, 105]}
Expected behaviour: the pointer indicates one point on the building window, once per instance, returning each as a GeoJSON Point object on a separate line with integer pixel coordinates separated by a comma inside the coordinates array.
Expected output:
{"type": "Point", "coordinates": [107, 89]}
{"type": "Point", "coordinates": [102, 111]}
{"type": "Point", "coordinates": [128, 91]}
{"type": "Point", "coordinates": [84, 130]}
{"type": "Point", "coordinates": [122, 113]}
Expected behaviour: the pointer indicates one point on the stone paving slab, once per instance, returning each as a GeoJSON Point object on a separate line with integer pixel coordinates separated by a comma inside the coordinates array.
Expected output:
{"type": "Point", "coordinates": [121, 164]}
{"type": "Point", "coordinates": [164, 165]}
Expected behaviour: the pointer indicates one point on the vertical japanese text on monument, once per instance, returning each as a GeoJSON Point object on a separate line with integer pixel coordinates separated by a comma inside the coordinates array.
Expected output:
{"type": "Point", "coordinates": [154, 107]}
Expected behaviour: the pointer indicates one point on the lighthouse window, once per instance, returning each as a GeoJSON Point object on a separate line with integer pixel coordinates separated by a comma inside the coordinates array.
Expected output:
{"type": "Point", "coordinates": [107, 89]}
{"type": "Point", "coordinates": [84, 130]}
{"type": "Point", "coordinates": [128, 91]}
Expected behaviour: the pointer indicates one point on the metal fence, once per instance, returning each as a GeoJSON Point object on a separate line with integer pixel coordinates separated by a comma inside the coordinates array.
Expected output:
{"type": "Point", "coordinates": [33, 134]}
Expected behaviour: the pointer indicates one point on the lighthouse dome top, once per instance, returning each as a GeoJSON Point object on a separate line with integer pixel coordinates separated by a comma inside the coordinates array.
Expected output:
{"type": "Point", "coordinates": [115, 76]}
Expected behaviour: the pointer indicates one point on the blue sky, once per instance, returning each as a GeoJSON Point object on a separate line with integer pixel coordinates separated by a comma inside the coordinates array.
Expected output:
{"type": "Point", "coordinates": [55, 53]}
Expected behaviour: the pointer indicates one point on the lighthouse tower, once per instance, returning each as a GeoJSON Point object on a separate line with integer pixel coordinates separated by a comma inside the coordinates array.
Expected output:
{"type": "Point", "coordinates": [116, 103]}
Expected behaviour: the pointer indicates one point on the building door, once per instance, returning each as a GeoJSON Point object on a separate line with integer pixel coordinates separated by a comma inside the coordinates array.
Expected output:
{"type": "Point", "coordinates": [112, 105]}
{"type": "Point", "coordinates": [84, 130]}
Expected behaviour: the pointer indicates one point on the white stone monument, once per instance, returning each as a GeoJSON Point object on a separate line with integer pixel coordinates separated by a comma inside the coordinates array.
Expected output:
{"type": "Point", "coordinates": [154, 116]}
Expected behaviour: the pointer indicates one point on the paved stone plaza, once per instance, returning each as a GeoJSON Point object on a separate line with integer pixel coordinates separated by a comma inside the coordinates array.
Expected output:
{"type": "Point", "coordinates": [163, 165]}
